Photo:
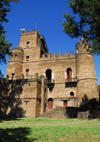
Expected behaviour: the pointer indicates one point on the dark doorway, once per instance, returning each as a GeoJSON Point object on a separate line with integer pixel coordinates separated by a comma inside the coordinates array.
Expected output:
{"type": "Point", "coordinates": [48, 74]}
{"type": "Point", "coordinates": [50, 103]}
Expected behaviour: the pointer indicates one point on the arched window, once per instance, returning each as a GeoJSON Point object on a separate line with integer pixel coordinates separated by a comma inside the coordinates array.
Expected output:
{"type": "Point", "coordinates": [69, 73]}
{"type": "Point", "coordinates": [27, 44]}
{"type": "Point", "coordinates": [71, 94]}
{"type": "Point", "coordinates": [48, 74]}
{"type": "Point", "coordinates": [27, 71]}
{"type": "Point", "coordinates": [15, 56]}
{"type": "Point", "coordinates": [50, 103]}
{"type": "Point", "coordinates": [27, 58]}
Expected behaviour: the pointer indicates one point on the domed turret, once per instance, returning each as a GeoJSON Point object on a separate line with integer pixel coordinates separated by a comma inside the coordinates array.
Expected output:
{"type": "Point", "coordinates": [18, 48]}
{"type": "Point", "coordinates": [14, 68]}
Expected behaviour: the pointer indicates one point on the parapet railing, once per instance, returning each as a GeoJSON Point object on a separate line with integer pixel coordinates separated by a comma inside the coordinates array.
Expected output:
{"type": "Point", "coordinates": [50, 81]}
{"type": "Point", "coordinates": [23, 77]}
{"type": "Point", "coordinates": [70, 80]}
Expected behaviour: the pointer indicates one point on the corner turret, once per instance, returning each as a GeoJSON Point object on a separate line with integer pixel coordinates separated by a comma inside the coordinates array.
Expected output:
{"type": "Point", "coordinates": [14, 68]}
{"type": "Point", "coordinates": [86, 77]}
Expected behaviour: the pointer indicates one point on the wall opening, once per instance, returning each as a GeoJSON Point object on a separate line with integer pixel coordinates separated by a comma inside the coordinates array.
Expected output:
{"type": "Point", "coordinates": [27, 44]}
{"type": "Point", "coordinates": [21, 90]}
{"type": "Point", "coordinates": [15, 56]}
{"type": "Point", "coordinates": [48, 74]}
{"type": "Point", "coordinates": [50, 103]}
{"type": "Point", "coordinates": [50, 90]}
{"type": "Point", "coordinates": [69, 73]}
{"type": "Point", "coordinates": [65, 103]}
{"type": "Point", "coordinates": [27, 58]}
{"type": "Point", "coordinates": [27, 72]}
{"type": "Point", "coordinates": [71, 94]}
{"type": "Point", "coordinates": [13, 75]}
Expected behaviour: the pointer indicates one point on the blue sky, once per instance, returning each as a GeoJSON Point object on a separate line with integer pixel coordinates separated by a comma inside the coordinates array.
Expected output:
{"type": "Point", "coordinates": [46, 16]}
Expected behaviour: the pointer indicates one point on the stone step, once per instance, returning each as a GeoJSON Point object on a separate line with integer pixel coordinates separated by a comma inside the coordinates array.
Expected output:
{"type": "Point", "coordinates": [61, 112]}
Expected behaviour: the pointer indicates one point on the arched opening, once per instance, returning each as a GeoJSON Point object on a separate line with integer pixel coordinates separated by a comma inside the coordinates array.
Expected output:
{"type": "Point", "coordinates": [71, 94]}
{"type": "Point", "coordinates": [27, 58]}
{"type": "Point", "coordinates": [27, 71]}
{"type": "Point", "coordinates": [13, 75]}
{"type": "Point", "coordinates": [50, 90]}
{"type": "Point", "coordinates": [27, 44]}
{"type": "Point", "coordinates": [48, 74]}
{"type": "Point", "coordinates": [69, 74]}
{"type": "Point", "coordinates": [50, 103]}
{"type": "Point", "coordinates": [15, 56]}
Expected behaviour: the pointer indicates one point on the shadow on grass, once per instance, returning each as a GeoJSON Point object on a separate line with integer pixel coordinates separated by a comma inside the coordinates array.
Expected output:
{"type": "Point", "coordinates": [6, 118]}
{"type": "Point", "coordinates": [16, 135]}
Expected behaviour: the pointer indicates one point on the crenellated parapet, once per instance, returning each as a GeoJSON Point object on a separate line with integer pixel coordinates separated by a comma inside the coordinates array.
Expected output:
{"type": "Point", "coordinates": [51, 56]}
{"type": "Point", "coordinates": [30, 32]}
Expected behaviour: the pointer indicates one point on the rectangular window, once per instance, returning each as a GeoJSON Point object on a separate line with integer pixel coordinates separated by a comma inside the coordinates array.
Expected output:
{"type": "Point", "coordinates": [65, 103]}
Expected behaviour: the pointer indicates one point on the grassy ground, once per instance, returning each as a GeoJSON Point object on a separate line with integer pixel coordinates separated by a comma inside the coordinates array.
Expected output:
{"type": "Point", "coordinates": [49, 130]}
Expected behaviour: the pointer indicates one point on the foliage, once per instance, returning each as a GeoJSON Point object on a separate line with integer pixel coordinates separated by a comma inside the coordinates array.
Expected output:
{"type": "Point", "coordinates": [46, 129]}
{"type": "Point", "coordinates": [88, 25]}
{"type": "Point", "coordinates": [4, 44]}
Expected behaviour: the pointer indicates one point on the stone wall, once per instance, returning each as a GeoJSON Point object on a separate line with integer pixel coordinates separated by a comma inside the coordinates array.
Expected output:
{"type": "Point", "coordinates": [24, 102]}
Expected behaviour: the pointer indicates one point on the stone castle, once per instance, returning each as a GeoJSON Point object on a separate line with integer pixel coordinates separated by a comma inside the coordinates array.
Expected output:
{"type": "Point", "coordinates": [37, 81]}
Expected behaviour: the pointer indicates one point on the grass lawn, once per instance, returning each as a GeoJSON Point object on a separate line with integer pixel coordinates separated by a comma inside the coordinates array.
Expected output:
{"type": "Point", "coordinates": [49, 130]}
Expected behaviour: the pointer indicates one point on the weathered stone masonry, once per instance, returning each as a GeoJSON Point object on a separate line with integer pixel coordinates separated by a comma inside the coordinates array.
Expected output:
{"type": "Point", "coordinates": [48, 81]}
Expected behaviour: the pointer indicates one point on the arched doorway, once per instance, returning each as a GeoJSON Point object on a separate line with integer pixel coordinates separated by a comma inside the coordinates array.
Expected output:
{"type": "Point", "coordinates": [48, 74]}
{"type": "Point", "coordinates": [50, 103]}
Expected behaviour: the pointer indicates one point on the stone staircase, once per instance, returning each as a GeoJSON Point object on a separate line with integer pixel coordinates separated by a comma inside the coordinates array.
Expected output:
{"type": "Point", "coordinates": [61, 112]}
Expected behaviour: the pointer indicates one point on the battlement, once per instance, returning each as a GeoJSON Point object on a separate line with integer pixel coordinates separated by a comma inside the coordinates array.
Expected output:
{"type": "Point", "coordinates": [30, 32]}
{"type": "Point", "coordinates": [51, 56]}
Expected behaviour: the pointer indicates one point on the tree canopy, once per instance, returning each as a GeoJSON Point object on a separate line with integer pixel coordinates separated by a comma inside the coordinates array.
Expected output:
{"type": "Point", "coordinates": [4, 44]}
{"type": "Point", "coordinates": [88, 25]}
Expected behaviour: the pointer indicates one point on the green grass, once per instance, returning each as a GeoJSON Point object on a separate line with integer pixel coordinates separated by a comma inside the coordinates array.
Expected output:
{"type": "Point", "coordinates": [49, 130]}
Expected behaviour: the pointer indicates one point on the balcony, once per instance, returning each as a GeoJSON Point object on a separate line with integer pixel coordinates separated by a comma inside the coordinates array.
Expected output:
{"type": "Point", "coordinates": [70, 80]}
{"type": "Point", "coordinates": [50, 81]}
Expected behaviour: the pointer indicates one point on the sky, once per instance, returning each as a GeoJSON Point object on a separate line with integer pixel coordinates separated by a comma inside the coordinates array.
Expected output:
{"type": "Point", "coordinates": [46, 16]}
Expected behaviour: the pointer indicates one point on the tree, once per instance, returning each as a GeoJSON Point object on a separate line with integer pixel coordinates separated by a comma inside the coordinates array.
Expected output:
{"type": "Point", "coordinates": [88, 25]}
{"type": "Point", "coordinates": [4, 44]}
